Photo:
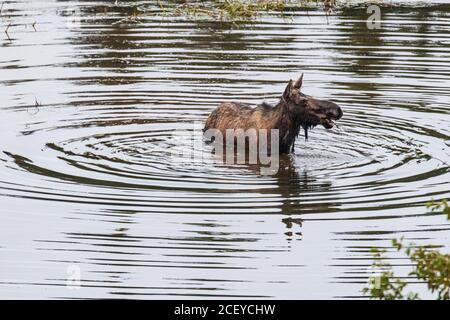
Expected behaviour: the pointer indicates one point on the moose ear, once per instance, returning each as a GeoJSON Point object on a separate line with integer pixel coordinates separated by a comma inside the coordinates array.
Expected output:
{"type": "Point", "coordinates": [299, 82]}
{"type": "Point", "coordinates": [287, 91]}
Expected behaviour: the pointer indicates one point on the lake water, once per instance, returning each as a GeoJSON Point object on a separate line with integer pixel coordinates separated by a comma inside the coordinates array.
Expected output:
{"type": "Point", "coordinates": [90, 190]}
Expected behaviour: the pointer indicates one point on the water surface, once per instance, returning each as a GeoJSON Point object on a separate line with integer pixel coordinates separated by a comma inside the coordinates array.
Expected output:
{"type": "Point", "coordinates": [91, 96]}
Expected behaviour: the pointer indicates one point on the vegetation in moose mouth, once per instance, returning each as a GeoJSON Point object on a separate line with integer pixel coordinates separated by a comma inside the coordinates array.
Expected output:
{"type": "Point", "coordinates": [295, 110]}
{"type": "Point", "coordinates": [327, 123]}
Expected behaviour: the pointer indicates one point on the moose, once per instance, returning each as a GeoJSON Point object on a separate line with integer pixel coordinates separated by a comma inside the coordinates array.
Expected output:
{"type": "Point", "coordinates": [295, 110]}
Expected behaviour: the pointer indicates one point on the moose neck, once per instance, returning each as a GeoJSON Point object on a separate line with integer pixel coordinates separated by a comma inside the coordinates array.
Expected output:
{"type": "Point", "coordinates": [289, 125]}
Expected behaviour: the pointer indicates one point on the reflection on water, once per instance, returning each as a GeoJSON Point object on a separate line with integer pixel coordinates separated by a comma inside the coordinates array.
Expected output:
{"type": "Point", "coordinates": [88, 179]}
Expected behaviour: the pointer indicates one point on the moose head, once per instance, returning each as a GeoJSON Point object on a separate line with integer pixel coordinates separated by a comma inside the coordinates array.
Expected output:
{"type": "Point", "coordinates": [307, 110]}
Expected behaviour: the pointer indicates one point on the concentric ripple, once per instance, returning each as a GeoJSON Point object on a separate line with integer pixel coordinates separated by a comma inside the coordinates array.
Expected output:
{"type": "Point", "coordinates": [97, 169]}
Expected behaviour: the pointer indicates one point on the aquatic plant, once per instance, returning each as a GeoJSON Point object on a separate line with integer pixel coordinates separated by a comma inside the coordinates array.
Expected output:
{"type": "Point", "coordinates": [239, 10]}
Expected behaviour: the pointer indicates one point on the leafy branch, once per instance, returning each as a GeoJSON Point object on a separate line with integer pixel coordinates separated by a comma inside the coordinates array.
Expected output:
{"type": "Point", "coordinates": [430, 266]}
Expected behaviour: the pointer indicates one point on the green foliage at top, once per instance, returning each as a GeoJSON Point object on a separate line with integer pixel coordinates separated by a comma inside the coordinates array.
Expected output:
{"type": "Point", "coordinates": [240, 10]}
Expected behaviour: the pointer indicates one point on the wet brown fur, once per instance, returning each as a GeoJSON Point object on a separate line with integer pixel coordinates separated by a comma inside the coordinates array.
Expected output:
{"type": "Point", "coordinates": [294, 111]}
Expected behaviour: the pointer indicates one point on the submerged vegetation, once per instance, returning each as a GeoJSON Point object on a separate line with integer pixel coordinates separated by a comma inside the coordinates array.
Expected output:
{"type": "Point", "coordinates": [429, 266]}
{"type": "Point", "coordinates": [235, 9]}
{"type": "Point", "coordinates": [239, 10]}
